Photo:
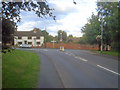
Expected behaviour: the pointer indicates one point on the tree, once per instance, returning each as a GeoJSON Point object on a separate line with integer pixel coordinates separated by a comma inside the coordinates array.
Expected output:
{"type": "Point", "coordinates": [108, 13]}
{"type": "Point", "coordinates": [63, 35]}
{"type": "Point", "coordinates": [48, 38]}
{"type": "Point", "coordinates": [91, 30]}
{"type": "Point", "coordinates": [109, 10]}
{"type": "Point", "coordinates": [11, 10]}
{"type": "Point", "coordinates": [8, 28]}
{"type": "Point", "coordinates": [70, 38]}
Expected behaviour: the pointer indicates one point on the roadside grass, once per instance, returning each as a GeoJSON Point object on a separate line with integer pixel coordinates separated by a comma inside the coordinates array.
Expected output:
{"type": "Point", "coordinates": [20, 69]}
{"type": "Point", "coordinates": [112, 53]}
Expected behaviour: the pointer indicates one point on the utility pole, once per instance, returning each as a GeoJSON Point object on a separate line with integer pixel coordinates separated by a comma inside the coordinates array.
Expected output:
{"type": "Point", "coordinates": [45, 37]}
{"type": "Point", "coordinates": [61, 41]}
{"type": "Point", "coordinates": [101, 32]}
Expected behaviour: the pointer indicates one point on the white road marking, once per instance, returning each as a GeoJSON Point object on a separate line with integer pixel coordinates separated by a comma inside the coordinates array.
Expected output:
{"type": "Point", "coordinates": [45, 50]}
{"type": "Point", "coordinates": [81, 59]}
{"type": "Point", "coordinates": [71, 54]}
{"type": "Point", "coordinates": [108, 69]}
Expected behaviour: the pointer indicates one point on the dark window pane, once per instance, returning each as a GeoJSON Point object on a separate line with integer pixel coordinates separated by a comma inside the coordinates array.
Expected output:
{"type": "Point", "coordinates": [38, 42]}
{"type": "Point", "coordinates": [29, 37]}
{"type": "Point", "coordinates": [19, 37]}
{"type": "Point", "coordinates": [19, 42]}
{"type": "Point", "coordinates": [29, 42]}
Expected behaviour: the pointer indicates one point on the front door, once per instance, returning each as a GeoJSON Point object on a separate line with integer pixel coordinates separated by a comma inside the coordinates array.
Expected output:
{"type": "Point", "coordinates": [25, 42]}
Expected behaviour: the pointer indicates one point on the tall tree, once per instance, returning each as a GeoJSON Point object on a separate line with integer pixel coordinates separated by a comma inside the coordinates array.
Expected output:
{"type": "Point", "coordinates": [91, 30]}
{"type": "Point", "coordinates": [109, 11]}
{"type": "Point", "coordinates": [48, 38]}
{"type": "Point", "coordinates": [8, 28]}
{"type": "Point", "coordinates": [63, 35]}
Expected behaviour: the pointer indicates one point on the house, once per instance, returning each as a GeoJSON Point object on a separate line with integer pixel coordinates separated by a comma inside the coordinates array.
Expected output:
{"type": "Point", "coordinates": [34, 38]}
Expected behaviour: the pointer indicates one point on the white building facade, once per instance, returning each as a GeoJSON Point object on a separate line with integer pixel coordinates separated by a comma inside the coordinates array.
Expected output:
{"type": "Point", "coordinates": [34, 38]}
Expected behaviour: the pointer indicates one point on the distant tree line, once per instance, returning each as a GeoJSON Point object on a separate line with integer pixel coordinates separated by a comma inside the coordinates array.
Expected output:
{"type": "Point", "coordinates": [60, 34]}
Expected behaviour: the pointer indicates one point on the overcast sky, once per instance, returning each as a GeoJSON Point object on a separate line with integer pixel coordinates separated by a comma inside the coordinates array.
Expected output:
{"type": "Point", "coordinates": [70, 17]}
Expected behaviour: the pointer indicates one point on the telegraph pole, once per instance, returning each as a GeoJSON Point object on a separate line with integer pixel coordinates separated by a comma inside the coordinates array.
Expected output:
{"type": "Point", "coordinates": [101, 32]}
{"type": "Point", "coordinates": [61, 41]}
{"type": "Point", "coordinates": [45, 37]}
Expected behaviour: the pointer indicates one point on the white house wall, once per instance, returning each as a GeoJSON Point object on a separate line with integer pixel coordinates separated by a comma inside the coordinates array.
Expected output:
{"type": "Point", "coordinates": [25, 38]}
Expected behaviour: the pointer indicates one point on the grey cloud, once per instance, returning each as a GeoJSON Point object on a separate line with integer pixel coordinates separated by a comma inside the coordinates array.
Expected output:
{"type": "Point", "coordinates": [59, 13]}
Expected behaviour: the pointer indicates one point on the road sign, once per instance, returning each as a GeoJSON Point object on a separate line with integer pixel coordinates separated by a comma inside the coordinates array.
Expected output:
{"type": "Point", "coordinates": [53, 43]}
{"type": "Point", "coordinates": [60, 39]}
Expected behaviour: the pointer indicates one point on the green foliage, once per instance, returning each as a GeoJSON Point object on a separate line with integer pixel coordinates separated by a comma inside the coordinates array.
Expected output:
{"type": "Point", "coordinates": [91, 30]}
{"type": "Point", "coordinates": [11, 10]}
{"type": "Point", "coordinates": [111, 28]}
{"type": "Point", "coordinates": [8, 28]}
{"type": "Point", "coordinates": [70, 38]}
{"type": "Point", "coordinates": [108, 13]}
{"type": "Point", "coordinates": [48, 38]}
{"type": "Point", "coordinates": [63, 35]}
{"type": "Point", "coordinates": [112, 53]}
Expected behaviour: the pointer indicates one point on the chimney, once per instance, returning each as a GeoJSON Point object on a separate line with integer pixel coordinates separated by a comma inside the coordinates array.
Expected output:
{"type": "Point", "coordinates": [35, 29]}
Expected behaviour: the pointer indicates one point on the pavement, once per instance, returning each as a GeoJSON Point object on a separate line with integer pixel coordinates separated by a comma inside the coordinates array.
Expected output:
{"type": "Point", "coordinates": [76, 69]}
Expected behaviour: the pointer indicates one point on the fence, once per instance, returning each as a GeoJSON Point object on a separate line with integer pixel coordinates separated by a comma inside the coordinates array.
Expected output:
{"type": "Point", "coordinates": [72, 46]}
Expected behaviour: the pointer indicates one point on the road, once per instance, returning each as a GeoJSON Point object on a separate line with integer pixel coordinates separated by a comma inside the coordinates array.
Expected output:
{"type": "Point", "coordinates": [76, 69]}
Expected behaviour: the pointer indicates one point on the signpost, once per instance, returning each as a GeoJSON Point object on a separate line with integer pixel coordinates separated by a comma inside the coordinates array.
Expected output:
{"type": "Point", "coordinates": [53, 43]}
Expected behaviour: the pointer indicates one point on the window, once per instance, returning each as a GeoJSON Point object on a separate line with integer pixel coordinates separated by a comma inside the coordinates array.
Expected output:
{"type": "Point", "coordinates": [29, 37]}
{"type": "Point", "coordinates": [19, 42]}
{"type": "Point", "coordinates": [29, 42]}
{"type": "Point", "coordinates": [37, 37]}
{"type": "Point", "coordinates": [19, 37]}
{"type": "Point", "coordinates": [38, 42]}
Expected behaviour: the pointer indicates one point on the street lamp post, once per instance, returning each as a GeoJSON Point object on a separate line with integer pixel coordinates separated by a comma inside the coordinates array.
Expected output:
{"type": "Point", "coordinates": [101, 32]}
{"type": "Point", "coordinates": [61, 41]}
{"type": "Point", "coordinates": [45, 37]}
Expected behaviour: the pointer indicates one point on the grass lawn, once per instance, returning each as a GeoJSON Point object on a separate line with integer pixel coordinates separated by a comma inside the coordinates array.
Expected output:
{"type": "Point", "coordinates": [112, 53]}
{"type": "Point", "coordinates": [20, 69]}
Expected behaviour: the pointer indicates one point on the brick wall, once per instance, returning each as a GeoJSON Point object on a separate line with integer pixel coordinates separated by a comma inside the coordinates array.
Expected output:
{"type": "Point", "coordinates": [72, 46]}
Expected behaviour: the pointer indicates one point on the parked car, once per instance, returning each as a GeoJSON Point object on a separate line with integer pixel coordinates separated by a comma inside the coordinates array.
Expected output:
{"type": "Point", "coordinates": [25, 46]}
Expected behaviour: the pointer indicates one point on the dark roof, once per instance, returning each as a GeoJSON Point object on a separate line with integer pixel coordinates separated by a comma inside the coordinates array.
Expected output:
{"type": "Point", "coordinates": [27, 33]}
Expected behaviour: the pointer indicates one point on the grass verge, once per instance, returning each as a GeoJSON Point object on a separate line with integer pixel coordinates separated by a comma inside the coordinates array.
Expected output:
{"type": "Point", "coordinates": [20, 69]}
{"type": "Point", "coordinates": [112, 53]}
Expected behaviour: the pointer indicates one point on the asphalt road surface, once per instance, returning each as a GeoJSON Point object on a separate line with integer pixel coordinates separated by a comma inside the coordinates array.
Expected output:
{"type": "Point", "coordinates": [76, 69]}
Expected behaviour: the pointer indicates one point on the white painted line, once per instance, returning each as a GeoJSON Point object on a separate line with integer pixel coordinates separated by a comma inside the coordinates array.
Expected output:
{"type": "Point", "coordinates": [45, 50]}
{"type": "Point", "coordinates": [108, 69]}
{"type": "Point", "coordinates": [71, 54]}
{"type": "Point", "coordinates": [81, 59]}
